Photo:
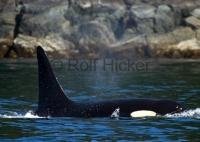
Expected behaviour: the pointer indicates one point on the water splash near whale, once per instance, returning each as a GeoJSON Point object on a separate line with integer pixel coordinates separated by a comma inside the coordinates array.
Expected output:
{"type": "Point", "coordinates": [192, 113]}
{"type": "Point", "coordinates": [116, 113]}
{"type": "Point", "coordinates": [29, 115]}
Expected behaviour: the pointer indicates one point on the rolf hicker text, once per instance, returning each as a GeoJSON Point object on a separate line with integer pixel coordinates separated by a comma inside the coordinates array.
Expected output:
{"type": "Point", "coordinates": [110, 65]}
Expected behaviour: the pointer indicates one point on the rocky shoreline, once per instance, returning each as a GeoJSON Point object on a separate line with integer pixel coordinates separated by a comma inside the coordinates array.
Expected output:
{"type": "Point", "coordinates": [106, 28]}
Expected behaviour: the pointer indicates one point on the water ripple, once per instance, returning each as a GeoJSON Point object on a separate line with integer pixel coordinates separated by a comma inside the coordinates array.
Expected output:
{"type": "Point", "coordinates": [192, 113]}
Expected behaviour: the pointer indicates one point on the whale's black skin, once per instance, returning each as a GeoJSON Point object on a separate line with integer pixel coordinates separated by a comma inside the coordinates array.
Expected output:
{"type": "Point", "coordinates": [53, 101]}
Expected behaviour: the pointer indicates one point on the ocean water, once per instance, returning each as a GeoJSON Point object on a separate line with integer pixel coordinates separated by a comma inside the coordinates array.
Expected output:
{"type": "Point", "coordinates": [175, 80]}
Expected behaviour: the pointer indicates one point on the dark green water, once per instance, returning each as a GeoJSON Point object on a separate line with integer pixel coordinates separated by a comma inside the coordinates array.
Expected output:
{"type": "Point", "coordinates": [178, 81]}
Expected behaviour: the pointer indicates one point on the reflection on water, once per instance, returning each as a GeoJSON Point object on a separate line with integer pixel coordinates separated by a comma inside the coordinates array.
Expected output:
{"type": "Point", "coordinates": [178, 81]}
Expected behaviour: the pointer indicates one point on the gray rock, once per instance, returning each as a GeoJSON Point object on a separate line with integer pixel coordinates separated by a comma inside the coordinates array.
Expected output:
{"type": "Point", "coordinates": [87, 24]}
{"type": "Point", "coordinates": [196, 13]}
{"type": "Point", "coordinates": [151, 20]}
{"type": "Point", "coordinates": [167, 45]}
{"type": "Point", "coordinates": [137, 20]}
{"type": "Point", "coordinates": [7, 5]}
{"type": "Point", "coordinates": [51, 21]}
{"type": "Point", "coordinates": [7, 23]}
{"type": "Point", "coordinates": [193, 22]}
{"type": "Point", "coordinates": [164, 19]}
{"type": "Point", "coordinates": [129, 34]}
{"type": "Point", "coordinates": [160, 41]}
{"type": "Point", "coordinates": [115, 21]}
{"type": "Point", "coordinates": [198, 34]}
{"type": "Point", "coordinates": [143, 11]}
{"type": "Point", "coordinates": [4, 46]}
{"type": "Point", "coordinates": [183, 33]}
{"type": "Point", "coordinates": [129, 2]}
{"type": "Point", "coordinates": [53, 44]}
{"type": "Point", "coordinates": [133, 48]}
{"type": "Point", "coordinates": [94, 33]}
{"type": "Point", "coordinates": [145, 26]}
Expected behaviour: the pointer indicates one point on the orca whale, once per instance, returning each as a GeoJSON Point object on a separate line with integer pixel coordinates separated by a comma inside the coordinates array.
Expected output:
{"type": "Point", "coordinates": [53, 101]}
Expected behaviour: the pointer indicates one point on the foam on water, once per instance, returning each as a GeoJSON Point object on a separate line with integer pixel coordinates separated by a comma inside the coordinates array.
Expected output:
{"type": "Point", "coordinates": [29, 115]}
{"type": "Point", "coordinates": [192, 113]}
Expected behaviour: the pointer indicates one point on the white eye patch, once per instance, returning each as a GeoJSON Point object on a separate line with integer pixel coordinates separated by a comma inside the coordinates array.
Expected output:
{"type": "Point", "coordinates": [143, 113]}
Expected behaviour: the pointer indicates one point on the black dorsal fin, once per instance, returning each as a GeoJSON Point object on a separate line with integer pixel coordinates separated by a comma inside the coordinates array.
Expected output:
{"type": "Point", "coordinates": [51, 94]}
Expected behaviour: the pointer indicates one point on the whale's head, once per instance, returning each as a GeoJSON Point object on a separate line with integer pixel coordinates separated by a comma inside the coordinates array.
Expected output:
{"type": "Point", "coordinates": [167, 106]}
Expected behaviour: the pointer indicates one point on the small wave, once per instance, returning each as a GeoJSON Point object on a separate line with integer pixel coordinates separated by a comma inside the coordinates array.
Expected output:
{"type": "Point", "coordinates": [29, 114]}
{"type": "Point", "coordinates": [193, 113]}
